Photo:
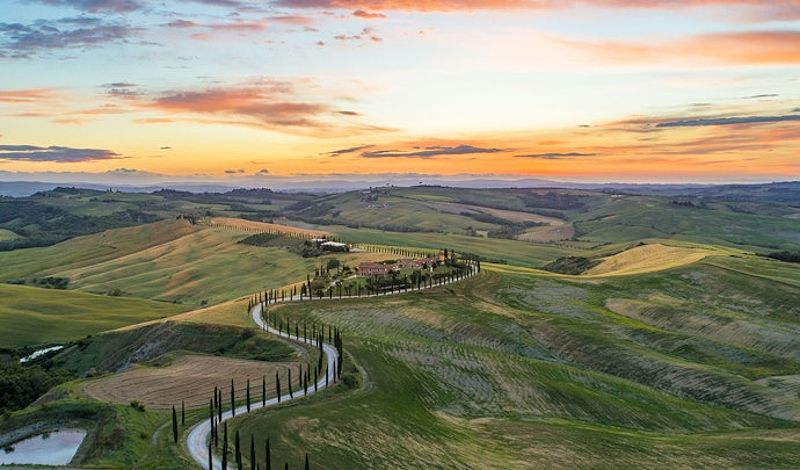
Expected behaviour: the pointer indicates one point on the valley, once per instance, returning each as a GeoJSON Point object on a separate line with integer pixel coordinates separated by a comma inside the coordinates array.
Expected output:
{"type": "Point", "coordinates": [661, 349]}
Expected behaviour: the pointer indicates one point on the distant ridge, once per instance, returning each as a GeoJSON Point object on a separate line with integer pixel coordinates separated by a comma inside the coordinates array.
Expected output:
{"type": "Point", "coordinates": [27, 188]}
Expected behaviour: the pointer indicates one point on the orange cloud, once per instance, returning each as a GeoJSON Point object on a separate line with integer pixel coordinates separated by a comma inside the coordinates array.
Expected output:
{"type": "Point", "coordinates": [472, 5]}
{"type": "Point", "coordinates": [31, 95]}
{"type": "Point", "coordinates": [762, 47]}
{"type": "Point", "coordinates": [267, 106]}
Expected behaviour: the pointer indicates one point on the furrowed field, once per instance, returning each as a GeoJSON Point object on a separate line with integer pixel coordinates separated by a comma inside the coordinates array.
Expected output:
{"type": "Point", "coordinates": [519, 370]}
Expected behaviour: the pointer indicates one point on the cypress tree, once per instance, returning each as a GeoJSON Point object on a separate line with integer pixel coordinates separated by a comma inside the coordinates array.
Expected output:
{"type": "Point", "coordinates": [211, 416]}
{"type": "Point", "coordinates": [174, 424]}
{"type": "Point", "coordinates": [219, 407]}
{"type": "Point", "coordinates": [225, 445]}
{"type": "Point", "coordinates": [252, 451]}
{"type": "Point", "coordinates": [264, 390]}
{"type": "Point", "coordinates": [238, 450]}
{"type": "Point", "coordinates": [278, 386]}
{"type": "Point", "coordinates": [307, 468]}
{"type": "Point", "coordinates": [183, 414]}
{"type": "Point", "coordinates": [248, 395]}
{"type": "Point", "coordinates": [316, 379]}
{"type": "Point", "coordinates": [210, 457]}
{"type": "Point", "coordinates": [233, 400]}
{"type": "Point", "coordinates": [268, 457]}
{"type": "Point", "coordinates": [290, 383]}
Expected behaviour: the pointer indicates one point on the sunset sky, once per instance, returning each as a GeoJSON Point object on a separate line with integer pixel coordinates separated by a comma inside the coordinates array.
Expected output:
{"type": "Point", "coordinates": [594, 90]}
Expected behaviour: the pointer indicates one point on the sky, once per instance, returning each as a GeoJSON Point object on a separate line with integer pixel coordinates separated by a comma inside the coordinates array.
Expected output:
{"type": "Point", "coordinates": [663, 91]}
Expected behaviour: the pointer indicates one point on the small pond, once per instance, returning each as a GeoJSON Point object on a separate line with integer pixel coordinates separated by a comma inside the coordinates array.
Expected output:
{"type": "Point", "coordinates": [54, 448]}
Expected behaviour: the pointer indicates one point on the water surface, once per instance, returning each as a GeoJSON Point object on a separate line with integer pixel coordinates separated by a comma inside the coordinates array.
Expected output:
{"type": "Point", "coordinates": [55, 448]}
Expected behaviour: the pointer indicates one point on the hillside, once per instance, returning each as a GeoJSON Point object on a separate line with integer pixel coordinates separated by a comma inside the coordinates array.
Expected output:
{"type": "Point", "coordinates": [172, 261]}
{"type": "Point", "coordinates": [49, 217]}
{"type": "Point", "coordinates": [472, 374]}
{"type": "Point", "coordinates": [32, 316]}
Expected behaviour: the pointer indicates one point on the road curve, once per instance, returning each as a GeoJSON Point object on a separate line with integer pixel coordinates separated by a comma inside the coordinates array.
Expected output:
{"type": "Point", "coordinates": [197, 440]}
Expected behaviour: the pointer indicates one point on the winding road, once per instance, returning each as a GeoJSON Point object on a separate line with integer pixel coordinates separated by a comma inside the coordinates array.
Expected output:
{"type": "Point", "coordinates": [198, 437]}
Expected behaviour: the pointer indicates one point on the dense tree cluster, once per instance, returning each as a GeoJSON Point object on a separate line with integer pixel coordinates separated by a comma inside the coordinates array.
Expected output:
{"type": "Point", "coordinates": [22, 385]}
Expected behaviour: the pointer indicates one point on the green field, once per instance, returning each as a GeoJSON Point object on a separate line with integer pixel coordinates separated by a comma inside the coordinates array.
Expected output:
{"type": "Point", "coordinates": [7, 235]}
{"type": "Point", "coordinates": [171, 261]}
{"type": "Point", "coordinates": [517, 370]}
{"type": "Point", "coordinates": [31, 316]}
{"type": "Point", "coordinates": [598, 217]}
{"type": "Point", "coordinates": [678, 347]}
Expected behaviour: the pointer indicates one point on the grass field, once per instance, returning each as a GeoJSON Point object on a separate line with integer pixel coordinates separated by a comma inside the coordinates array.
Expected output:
{"type": "Point", "coordinates": [31, 316]}
{"type": "Point", "coordinates": [513, 370]}
{"type": "Point", "coordinates": [172, 261]}
{"type": "Point", "coordinates": [7, 235]}
{"type": "Point", "coordinates": [679, 349]}
{"type": "Point", "coordinates": [512, 251]}
{"type": "Point", "coordinates": [647, 258]}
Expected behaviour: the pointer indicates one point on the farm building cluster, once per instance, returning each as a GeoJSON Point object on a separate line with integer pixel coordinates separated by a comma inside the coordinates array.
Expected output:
{"type": "Point", "coordinates": [323, 244]}
{"type": "Point", "coordinates": [372, 269]}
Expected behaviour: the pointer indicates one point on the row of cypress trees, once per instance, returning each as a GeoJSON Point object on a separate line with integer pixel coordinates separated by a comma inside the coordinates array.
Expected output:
{"type": "Point", "coordinates": [237, 453]}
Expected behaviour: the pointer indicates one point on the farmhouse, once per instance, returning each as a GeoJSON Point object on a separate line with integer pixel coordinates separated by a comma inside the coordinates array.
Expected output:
{"type": "Point", "coordinates": [420, 263]}
{"type": "Point", "coordinates": [374, 269]}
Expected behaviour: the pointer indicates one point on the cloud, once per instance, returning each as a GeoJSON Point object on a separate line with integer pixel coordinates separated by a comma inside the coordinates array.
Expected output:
{"type": "Point", "coordinates": [58, 154]}
{"type": "Point", "coordinates": [288, 106]}
{"type": "Point", "coordinates": [433, 151]}
{"type": "Point", "coordinates": [119, 85]}
{"type": "Point", "coordinates": [365, 34]}
{"type": "Point", "coordinates": [262, 172]}
{"type": "Point", "coordinates": [129, 172]}
{"type": "Point", "coordinates": [747, 48]}
{"type": "Point", "coordinates": [203, 31]}
{"type": "Point", "coordinates": [763, 95]}
{"type": "Point", "coordinates": [166, 148]}
{"type": "Point", "coordinates": [729, 121]}
{"type": "Point", "coordinates": [363, 14]}
{"type": "Point", "coordinates": [22, 41]}
{"type": "Point", "coordinates": [763, 10]}
{"type": "Point", "coordinates": [270, 105]}
{"type": "Point", "coordinates": [182, 24]}
{"type": "Point", "coordinates": [336, 153]}
{"type": "Point", "coordinates": [556, 155]}
{"type": "Point", "coordinates": [30, 95]}
{"type": "Point", "coordinates": [121, 89]}
{"type": "Point", "coordinates": [98, 6]}
{"type": "Point", "coordinates": [234, 172]}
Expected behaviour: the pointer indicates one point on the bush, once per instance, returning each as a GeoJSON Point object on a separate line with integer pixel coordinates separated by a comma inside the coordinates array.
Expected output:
{"type": "Point", "coordinates": [573, 265]}
{"type": "Point", "coordinates": [787, 256]}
